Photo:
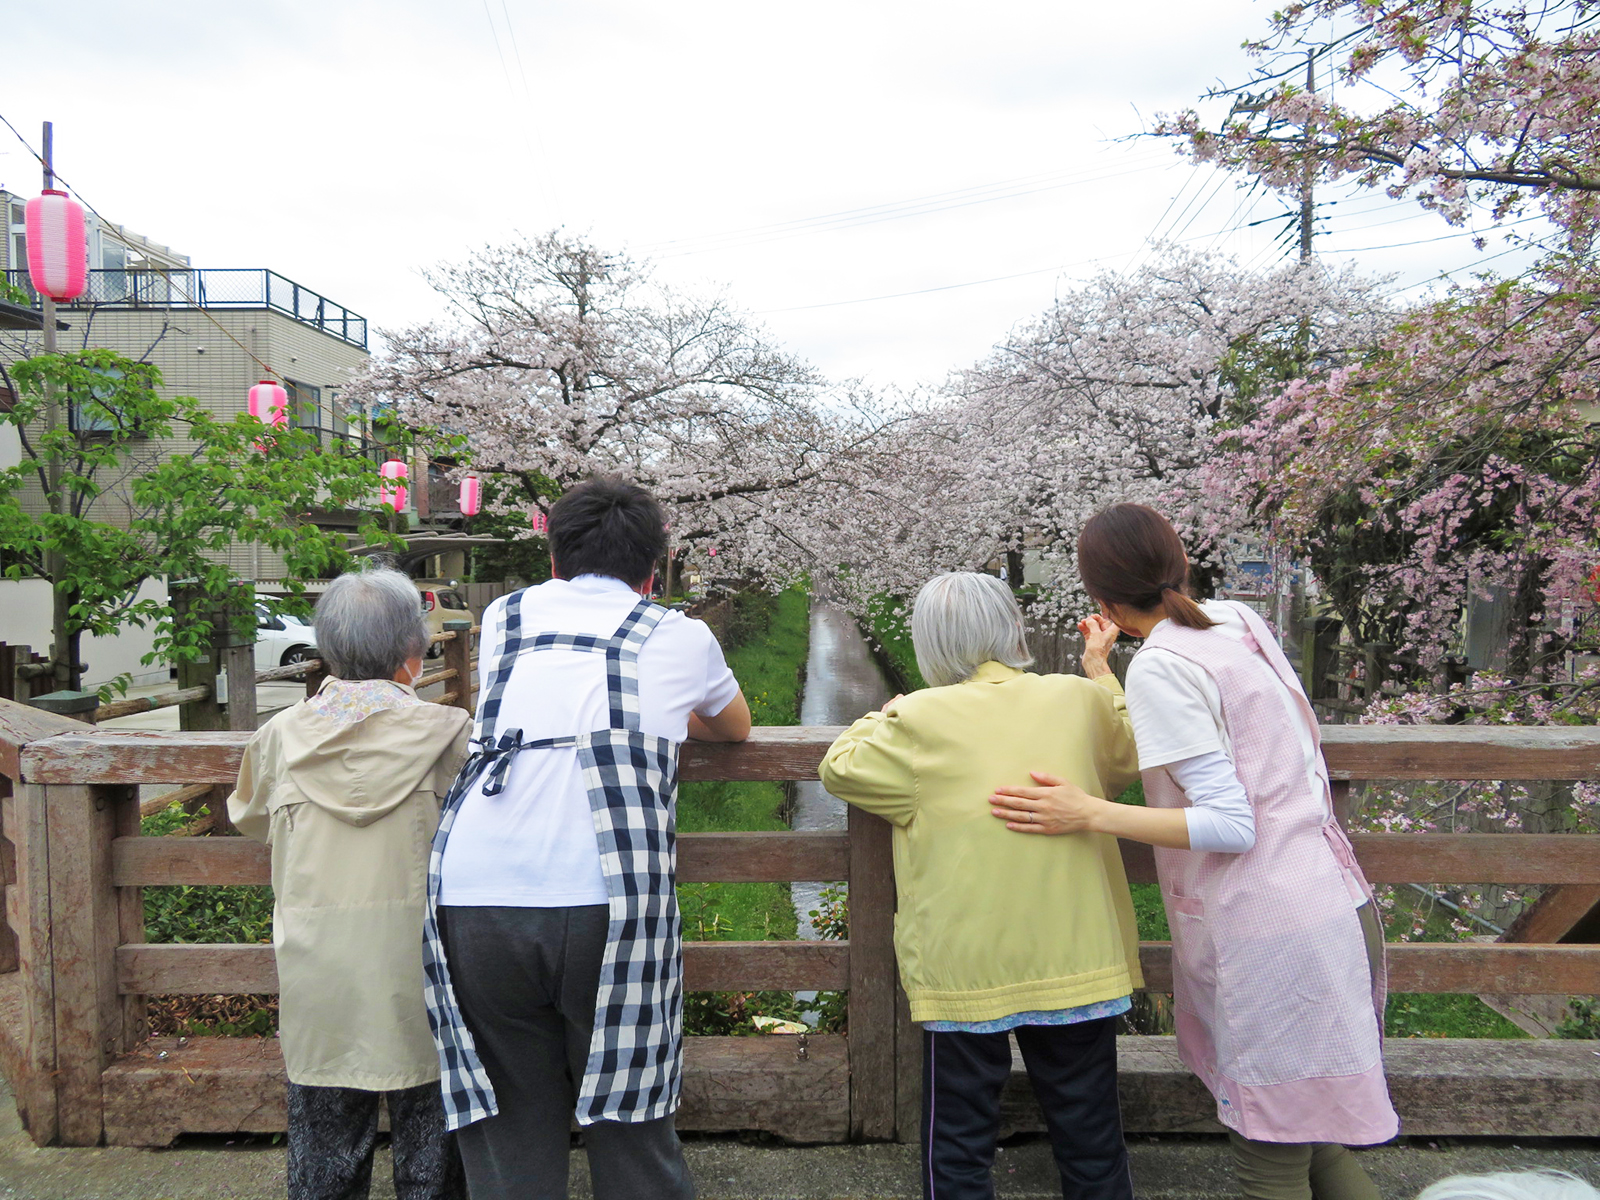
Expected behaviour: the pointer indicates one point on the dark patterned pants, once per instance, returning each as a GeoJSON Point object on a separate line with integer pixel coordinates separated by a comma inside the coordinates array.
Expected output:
{"type": "Point", "coordinates": [332, 1133]}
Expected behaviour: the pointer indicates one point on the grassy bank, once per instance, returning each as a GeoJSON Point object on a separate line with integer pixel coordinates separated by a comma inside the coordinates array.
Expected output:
{"type": "Point", "coordinates": [888, 632]}
{"type": "Point", "coordinates": [769, 664]}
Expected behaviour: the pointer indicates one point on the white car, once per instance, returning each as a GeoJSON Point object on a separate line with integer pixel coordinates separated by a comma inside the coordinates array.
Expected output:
{"type": "Point", "coordinates": [282, 639]}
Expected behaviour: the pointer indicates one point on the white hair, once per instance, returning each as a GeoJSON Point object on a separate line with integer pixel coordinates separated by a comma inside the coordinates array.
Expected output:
{"type": "Point", "coordinates": [369, 622]}
{"type": "Point", "coordinates": [1511, 1185]}
{"type": "Point", "coordinates": [963, 619]}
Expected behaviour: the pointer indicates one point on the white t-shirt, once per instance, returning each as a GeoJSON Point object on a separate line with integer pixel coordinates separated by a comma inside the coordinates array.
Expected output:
{"type": "Point", "coordinates": [1176, 708]}
{"type": "Point", "coordinates": [533, 845]}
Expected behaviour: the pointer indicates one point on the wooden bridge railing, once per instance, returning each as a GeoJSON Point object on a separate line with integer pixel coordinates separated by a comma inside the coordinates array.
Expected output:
{"type": "Point", "coordinates": [72, 1032]}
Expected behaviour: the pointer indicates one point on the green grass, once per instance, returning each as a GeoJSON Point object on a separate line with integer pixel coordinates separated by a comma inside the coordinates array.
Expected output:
{"type": "Point", "coordinates": [202, 914]}
{"type": "Point", "coordinates": [1412, 1014]}
{"type": "Point", "coordinates": [892, 633]}
{"type": "Point", "coordinates": [1443, 1014]}
{"type": "Point", "coordinates": [768, 665]}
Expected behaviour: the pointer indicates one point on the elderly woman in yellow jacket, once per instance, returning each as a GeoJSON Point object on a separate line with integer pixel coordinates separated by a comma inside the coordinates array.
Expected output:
{"type": "Point", "coordinates": [996, 939]}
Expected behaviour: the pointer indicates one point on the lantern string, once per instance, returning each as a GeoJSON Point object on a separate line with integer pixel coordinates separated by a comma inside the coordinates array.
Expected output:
{"type": "Point", "coordinates": [165, 272]}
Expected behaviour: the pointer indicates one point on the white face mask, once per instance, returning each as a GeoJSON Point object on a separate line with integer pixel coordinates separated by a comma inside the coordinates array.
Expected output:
{"type": "Point", "coordinates": [415, 675]}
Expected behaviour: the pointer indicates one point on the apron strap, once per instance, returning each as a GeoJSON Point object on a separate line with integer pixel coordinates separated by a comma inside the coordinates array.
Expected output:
{"type": "Point", "coordinates": [504, 657]}
{"type": "Point", "coordinates": [495, 757]}
{"type": "Point", "coordinates": [622, 663]}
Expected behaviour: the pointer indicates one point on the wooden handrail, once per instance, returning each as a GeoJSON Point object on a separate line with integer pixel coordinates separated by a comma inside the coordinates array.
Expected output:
{"type": "Point", "coordinates": [1438, 858]}
{"type": "Point", "coordinates": [293, 670]}
{"type": "Point", "coordinates": [142, 704]}
{"type": "Point", "coordinates": [1501, 968]}
{"type": "Point", "coordinates": [1452, 752]}
{"type": "Point", "coordinates": [80, 867]}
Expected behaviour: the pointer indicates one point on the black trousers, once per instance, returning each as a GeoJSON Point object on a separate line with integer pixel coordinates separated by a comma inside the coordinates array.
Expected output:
{"type": "Point", "coordinates": [1073, 1070]}
{"type": "Point", "coordinates": [333, 1131]}
{"type": "Point", "coordinates": [526, 980]}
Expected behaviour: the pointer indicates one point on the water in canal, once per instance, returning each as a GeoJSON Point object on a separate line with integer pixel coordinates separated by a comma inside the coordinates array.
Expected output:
{"type": "Point", "coordinates": [842, 683]}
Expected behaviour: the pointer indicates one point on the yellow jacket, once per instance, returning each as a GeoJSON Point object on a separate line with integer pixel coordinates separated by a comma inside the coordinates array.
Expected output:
{"type": "Point", "coordinates": [992, 922]}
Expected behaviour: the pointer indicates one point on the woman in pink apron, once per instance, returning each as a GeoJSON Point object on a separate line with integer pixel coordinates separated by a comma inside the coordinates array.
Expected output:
{"type": "Point", "coordinates": [1277, 954]}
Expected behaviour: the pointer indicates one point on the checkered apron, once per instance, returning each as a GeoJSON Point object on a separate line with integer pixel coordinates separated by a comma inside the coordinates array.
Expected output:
{"type": "Point", "coordinates": [1275, 1006]}
{"type": "Point", "coordinates": [635, 1054]}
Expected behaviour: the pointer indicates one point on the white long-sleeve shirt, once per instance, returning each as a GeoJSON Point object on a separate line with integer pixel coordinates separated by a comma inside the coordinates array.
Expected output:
{"type": "Point", "coordinates": [1176, 710]}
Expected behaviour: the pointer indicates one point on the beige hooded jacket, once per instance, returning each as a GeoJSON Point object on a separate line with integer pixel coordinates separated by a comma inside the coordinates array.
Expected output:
{"type": "Point", "coordinates": [345, 789]}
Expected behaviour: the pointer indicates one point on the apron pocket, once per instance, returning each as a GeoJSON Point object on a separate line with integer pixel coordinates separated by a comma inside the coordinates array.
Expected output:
{"type": "Point", "coordinates": [1188, 906]}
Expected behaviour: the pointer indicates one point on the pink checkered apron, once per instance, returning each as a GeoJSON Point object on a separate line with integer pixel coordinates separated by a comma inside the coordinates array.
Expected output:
{"type": "Point", "coordinates": [1276, 1009]}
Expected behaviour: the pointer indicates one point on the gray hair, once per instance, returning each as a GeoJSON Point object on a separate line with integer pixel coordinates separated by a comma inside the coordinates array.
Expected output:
{"type": "Point", "coordinates": [962, 620]}
{"type": "Point", "coordinates": [368, 624]}
{"type": "Point", "coordinates": [1511, 1185]}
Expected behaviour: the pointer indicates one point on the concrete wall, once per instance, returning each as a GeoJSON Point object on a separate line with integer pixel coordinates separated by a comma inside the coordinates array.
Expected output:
{"type": "Point", "coordinates": [25, 621]}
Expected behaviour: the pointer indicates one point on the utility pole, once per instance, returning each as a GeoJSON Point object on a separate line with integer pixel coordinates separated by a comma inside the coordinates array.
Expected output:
{"type": "Point", "coordinates": [64, 653]}
{"type": "Point", "coordinates": [1307, 167]}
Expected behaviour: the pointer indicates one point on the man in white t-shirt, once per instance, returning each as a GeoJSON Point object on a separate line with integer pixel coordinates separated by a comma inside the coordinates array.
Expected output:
{"type": "Point", "coordinates": [523, 896]}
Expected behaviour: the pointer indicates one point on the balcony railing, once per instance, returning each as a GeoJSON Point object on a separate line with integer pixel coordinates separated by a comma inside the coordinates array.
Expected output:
{"type": "Point", "coordinates": [213, 287]}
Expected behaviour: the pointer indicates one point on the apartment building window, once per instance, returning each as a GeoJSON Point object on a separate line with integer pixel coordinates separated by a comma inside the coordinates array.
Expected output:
{"type": "Point", "coordinates": [92, 414]}
{"type": "Point", "coordinates": [344, 423]}
{"type": "Point", "coordinates": [113, 282]}
{"type": "Point", "coordinates": [305, 402]}
{"type": "Point", "coordinates": [18, 226]}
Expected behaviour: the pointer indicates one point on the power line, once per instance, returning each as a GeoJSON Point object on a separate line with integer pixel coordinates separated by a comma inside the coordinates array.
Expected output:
{"type": "Point", "coordinates": [1149, 238]}
{"type": "Point", "coordinates": [165, 272]}
{"type": "Point", "coordinates": [1443, 237]}
{"type": "Point", "coordinates": [870, 208]}
{"type": "Point", "coordinates": [978, 282]}
{"type": "Point", "coordinates": [898, 210]}
{"type": "Point", "coordinates": [527, 106]}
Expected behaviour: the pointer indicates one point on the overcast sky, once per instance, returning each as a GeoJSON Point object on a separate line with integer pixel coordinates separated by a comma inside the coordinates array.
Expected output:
{"type": "Point", "coordinates": [892, 186]}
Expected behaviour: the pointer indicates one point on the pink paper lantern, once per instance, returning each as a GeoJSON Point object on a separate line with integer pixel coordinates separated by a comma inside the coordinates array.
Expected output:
{"type": "Point", "coordinates": [269, 403]}
{"type": "Point", "coordinates": [392, 491]}
{"type": "Point", "coordinates": [58, 251]}
{"type": "Point", "coordinates": [471, 496]}
{"type": "Point", "coordinates": [539, 522]}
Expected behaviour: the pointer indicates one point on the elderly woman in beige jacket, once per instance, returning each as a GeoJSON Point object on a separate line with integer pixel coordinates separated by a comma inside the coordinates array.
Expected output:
{"type": "Point", "coordinates": [345, 788]}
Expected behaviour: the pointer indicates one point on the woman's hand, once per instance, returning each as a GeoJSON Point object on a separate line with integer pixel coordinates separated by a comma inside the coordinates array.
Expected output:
{"type": "Point", "coordinates": [1099, 635]}
{"type": "Point", "coordinates": [1056, 806]}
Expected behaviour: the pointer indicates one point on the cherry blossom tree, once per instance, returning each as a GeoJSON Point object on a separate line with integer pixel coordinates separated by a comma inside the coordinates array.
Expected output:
{"type": "Point", "coordinates": [561, 360]}
{"type": "Point", "coordinates": [1451, 102]}
{"type": "Point", "coordinates": [1460, 454]}
{"type": "Point", "coordinates": [1114, 393]}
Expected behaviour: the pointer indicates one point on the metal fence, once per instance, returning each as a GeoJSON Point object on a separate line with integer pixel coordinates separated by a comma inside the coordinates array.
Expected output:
{"type": "Point", "coordinates": [213, 287]}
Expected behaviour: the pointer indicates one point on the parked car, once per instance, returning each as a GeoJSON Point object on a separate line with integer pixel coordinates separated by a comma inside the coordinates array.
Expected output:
{"type": "Point", "coordinates": [282, 639]}
{"type": "Point", "coordinates": [441, 603]}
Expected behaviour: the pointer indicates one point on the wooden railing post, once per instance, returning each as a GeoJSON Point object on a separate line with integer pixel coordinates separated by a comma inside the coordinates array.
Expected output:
{"type": "Point", "coordinates": [8, 874]}
{"type": "Point", "coordinates": [458, 657]}
{"type": "Point", "coordinates": [86, 926]}
{"type": "Point", "coordinates": [28, 911]}
{"type": "Point", "coordinates": [236, 655]}
{"type": "Point", "coordinates": [205, 713]}
{"type": "Point", "coordinates": [873, 974]}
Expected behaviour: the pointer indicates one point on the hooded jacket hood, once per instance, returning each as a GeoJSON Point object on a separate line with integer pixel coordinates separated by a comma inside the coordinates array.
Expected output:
{"type": "Point", "coordinates": [362, 770]}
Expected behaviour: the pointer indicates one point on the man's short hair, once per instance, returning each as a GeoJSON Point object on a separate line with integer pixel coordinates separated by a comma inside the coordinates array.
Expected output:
{"type": "Point", "coordinates": [607, 526]}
